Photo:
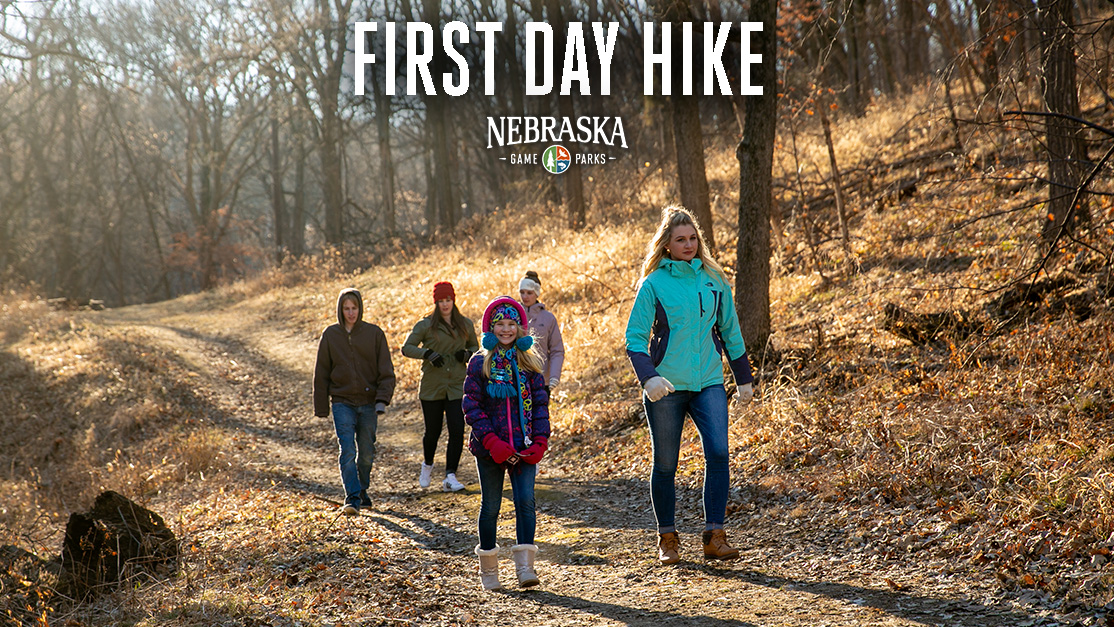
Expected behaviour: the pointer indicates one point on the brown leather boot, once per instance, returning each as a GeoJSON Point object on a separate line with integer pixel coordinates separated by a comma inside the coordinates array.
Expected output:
{"type": "Point", "coordinates": [716, 546]}
{"type": "Point", "coordinates": [668, 545]}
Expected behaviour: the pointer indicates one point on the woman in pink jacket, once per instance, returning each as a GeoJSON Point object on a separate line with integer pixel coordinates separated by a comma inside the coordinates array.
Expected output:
{"type": "Point", "coordinates": [543, 325]}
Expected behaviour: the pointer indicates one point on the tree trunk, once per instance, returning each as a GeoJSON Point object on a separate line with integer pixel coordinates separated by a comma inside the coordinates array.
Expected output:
{"type": "Point", "coordinates": [333, 181]}
{"type": "Point", "coordinates": [278, 197]}
{"type": "Point", "coordinates": [989, 39]}
{"type": "Point", "coordinates": [298, 219]}
{"type": "Point", "coordinates": [386, 160]}
{"type": "Point", "coordinates": [437, 121]}
{"type": "Point", "coordinates": [334, 30]}
{"type": "Point", "coordinates": [756, 156]}
{"type": "Point", "coordinates": [837, 183]}
{"type": "Point", "coordinates": [574, 183]}
{"type": "Point", "coordinates": [1064, 137]}
{"type": "Point", "coordinates": [688, 137]}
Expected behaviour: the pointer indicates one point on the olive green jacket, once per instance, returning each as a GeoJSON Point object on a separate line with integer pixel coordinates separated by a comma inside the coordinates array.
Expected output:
{"type": "Point", "coordinates": [446, 382]}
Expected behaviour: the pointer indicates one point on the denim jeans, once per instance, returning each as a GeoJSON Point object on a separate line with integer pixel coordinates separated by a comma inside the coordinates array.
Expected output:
{"type": "Point", "coordinates": [522, 490]}
{"type": "Point", "coordinates": [355, 427]}
{"type": "Point", "coordinates": [666, 419]}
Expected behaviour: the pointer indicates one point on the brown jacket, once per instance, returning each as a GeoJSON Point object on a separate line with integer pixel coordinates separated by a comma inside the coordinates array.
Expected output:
{"type": "Point", "coordinates": [353, 367]}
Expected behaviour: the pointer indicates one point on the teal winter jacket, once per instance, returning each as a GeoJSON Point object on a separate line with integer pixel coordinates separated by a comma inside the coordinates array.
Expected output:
{"type": "Point", "coordinates": [682, 322]}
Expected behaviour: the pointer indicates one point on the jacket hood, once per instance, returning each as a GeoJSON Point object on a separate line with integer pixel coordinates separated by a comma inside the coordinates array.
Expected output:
{"type": "Point", "coordinates": [340, 304]}
{"type": "Point", "coordinates": [678, 268]}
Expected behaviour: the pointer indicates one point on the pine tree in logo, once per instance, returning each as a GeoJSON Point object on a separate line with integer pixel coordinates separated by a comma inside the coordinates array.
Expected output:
{"type": "Point", "coordinates": [556, 159]}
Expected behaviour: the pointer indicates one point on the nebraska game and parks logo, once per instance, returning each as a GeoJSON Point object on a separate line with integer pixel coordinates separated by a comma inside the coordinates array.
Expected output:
{"type": "Point", "coordinates": [592, 135]}
{"type": "Point", "coordinates": [556, 159]}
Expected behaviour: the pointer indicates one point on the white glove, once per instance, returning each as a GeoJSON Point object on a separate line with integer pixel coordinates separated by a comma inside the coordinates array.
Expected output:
{"type": "Point", "coordinates": [553, 383]}
{"type": "Point", "coordinates": [657, 387]}
{"type": "Point", "coordinates": [746, 392]}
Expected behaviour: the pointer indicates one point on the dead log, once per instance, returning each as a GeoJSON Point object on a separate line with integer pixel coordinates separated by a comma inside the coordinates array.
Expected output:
{"type": "Point", "coordinates": [115, 540]}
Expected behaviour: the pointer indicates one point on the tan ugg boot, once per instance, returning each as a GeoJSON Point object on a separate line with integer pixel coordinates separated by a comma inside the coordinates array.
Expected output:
{"type": "Point", "coordinates": [716, 546]}
{"type": "Point", "coordinates": [489, 567]}
{"type": "Point", "coordinates": [524, 564]}
{"type": "Point", "coordinates": [668, 546]}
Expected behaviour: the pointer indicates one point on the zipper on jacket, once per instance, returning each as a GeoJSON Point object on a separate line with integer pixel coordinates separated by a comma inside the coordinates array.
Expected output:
{"type": "Point", "coordinates": [510, 428]}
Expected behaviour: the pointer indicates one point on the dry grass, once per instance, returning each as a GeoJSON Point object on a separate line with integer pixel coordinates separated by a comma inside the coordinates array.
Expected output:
{"type": "Point", "coordinates": [995, 449]}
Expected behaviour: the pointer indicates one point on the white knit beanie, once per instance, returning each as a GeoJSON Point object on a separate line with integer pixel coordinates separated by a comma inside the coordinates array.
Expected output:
{"type": "Point", "coordinates": [530, 284]}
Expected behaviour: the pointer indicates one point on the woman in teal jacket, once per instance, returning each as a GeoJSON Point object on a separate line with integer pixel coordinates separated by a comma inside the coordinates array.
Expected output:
{"type": "Point", "coordinates": [682, 322]}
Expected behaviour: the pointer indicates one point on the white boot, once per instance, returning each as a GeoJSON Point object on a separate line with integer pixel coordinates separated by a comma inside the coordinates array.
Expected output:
{"type": "Point", "coordinates": [524, 564]}
{"type": "Point", "coordinates": [423, 478]}
{"type": "Point", "coordinates": [489, 567]}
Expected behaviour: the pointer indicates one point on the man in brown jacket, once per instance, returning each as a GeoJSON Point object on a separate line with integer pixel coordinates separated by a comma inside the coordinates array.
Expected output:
{"type": "Point", "coordinates": [355, 378]}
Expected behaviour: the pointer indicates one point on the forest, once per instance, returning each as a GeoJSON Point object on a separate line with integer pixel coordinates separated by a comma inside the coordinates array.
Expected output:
{"type": "Point", "coordinates": [156, 149]}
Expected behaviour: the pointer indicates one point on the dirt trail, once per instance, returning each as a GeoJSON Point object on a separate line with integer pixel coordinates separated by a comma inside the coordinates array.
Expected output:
{"type": "Point", "coordinates": [597, 557]}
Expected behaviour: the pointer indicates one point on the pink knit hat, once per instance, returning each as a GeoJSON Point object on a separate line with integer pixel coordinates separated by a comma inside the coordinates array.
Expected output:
{"type": "Point", "coordinates": [504, 307]}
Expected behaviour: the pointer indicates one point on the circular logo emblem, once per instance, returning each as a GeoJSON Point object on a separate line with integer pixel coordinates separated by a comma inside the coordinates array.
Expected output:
{"type": "Point", "coordinates": [556, 159]}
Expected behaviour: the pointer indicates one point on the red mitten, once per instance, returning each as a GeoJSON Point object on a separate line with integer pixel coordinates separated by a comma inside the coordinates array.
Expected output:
{"type": "Point", "coordinates": [500, 450]}
{"type": "Point", "coordinates": [534, 453]}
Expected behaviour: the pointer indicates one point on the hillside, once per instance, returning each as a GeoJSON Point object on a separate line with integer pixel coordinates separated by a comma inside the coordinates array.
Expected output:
{"type": "Point", "coordinates": [931, 442]}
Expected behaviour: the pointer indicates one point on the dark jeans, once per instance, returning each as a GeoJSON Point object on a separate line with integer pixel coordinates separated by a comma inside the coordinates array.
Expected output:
{"type": "Point", "coordinates": [453, 414]}
{"type": "Point", "coordinates": [666, 418]}
{"type": "Point", "coordinates": [355, 427]}
{"type": "Point", "coordinates": [522, 491]}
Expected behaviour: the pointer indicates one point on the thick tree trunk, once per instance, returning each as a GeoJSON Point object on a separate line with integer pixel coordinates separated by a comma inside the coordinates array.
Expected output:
{"type": "Point", "coordinates": [1064, 137]}
{"type": "Point", "coordinates": [756, 154]}
{"type": "Point", "coordinates": [333, 182]}
{"type": "Point", "coordinates": [437, 120]}
{"type": "Point", "coordinates": [688, 146]}
{"type": "Point", "coordinates": [386, 160]}
{"type": "Point", "coordinates": [574, 183]}
{"type": "Point", "coordinates": [688, 137]}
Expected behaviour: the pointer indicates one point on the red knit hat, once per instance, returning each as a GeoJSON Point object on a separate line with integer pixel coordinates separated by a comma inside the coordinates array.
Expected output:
{"type": "Point", "coordinates": [443, 290]}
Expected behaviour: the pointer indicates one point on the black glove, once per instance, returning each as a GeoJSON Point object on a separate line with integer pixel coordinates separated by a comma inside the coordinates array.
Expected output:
{"type": "Point", "coordinates": [434, 358]}
{"type": "Point", "coordinates": [462, 356]}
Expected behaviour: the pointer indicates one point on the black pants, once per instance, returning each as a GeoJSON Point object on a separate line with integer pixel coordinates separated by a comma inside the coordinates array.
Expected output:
{"type": "Point", "coordinates": [453, 414]}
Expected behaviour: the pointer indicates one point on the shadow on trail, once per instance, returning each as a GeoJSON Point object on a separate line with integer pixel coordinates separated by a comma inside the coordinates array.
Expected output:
{"type": "Point", "coordinates": [426, 533]}
{"type": "Point", "coordinates": [435, 536]}
{"type": "Point", "coordinates": [625, 614]}
{"type": "Point", "coordinates": [923, 609]}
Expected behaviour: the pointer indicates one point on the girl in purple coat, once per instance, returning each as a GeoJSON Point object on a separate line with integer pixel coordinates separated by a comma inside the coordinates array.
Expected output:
{"type": "Point", "coordinates": [507, 406]}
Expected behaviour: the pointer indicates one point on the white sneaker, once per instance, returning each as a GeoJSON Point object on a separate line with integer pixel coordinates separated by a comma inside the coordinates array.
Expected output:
{"type": "Point", "coordinates": [450, 484]}
{"type": "Point", "coordinates": [423, 479]}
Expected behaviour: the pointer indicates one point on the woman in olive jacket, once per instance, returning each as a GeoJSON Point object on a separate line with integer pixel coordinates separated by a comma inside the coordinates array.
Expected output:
{"type": "Point", "coordinates": [443, 340]}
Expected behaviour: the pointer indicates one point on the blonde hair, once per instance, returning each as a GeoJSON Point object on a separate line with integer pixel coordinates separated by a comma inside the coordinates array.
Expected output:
{"type": "Point", "coordinates": [673, 216]}
{"type": "Point", "coordinates": [527, 359]}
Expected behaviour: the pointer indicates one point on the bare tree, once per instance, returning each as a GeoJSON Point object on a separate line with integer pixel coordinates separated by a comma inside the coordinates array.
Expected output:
{"type": "Point", "coordinates": [210, 77]}
{"type": "Point", "coordinates": [755, 154]}
{"type": "Point", "coordinates": [688, 136]}
{"type": "Point", "coordinates": [574, 182]}
{"type": "Point", "coordinates": [316, 42]}
{"type": "Point", "coordinates": [1066, 149]}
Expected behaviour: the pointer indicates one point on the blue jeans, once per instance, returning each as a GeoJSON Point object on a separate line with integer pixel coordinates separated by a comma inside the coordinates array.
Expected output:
{"type": "Point", "coordinates": [666, 419]}
{"type": "Point", "coordinates": [355, 427]}
{"type": "Point", "coordinates": [522, 490]}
